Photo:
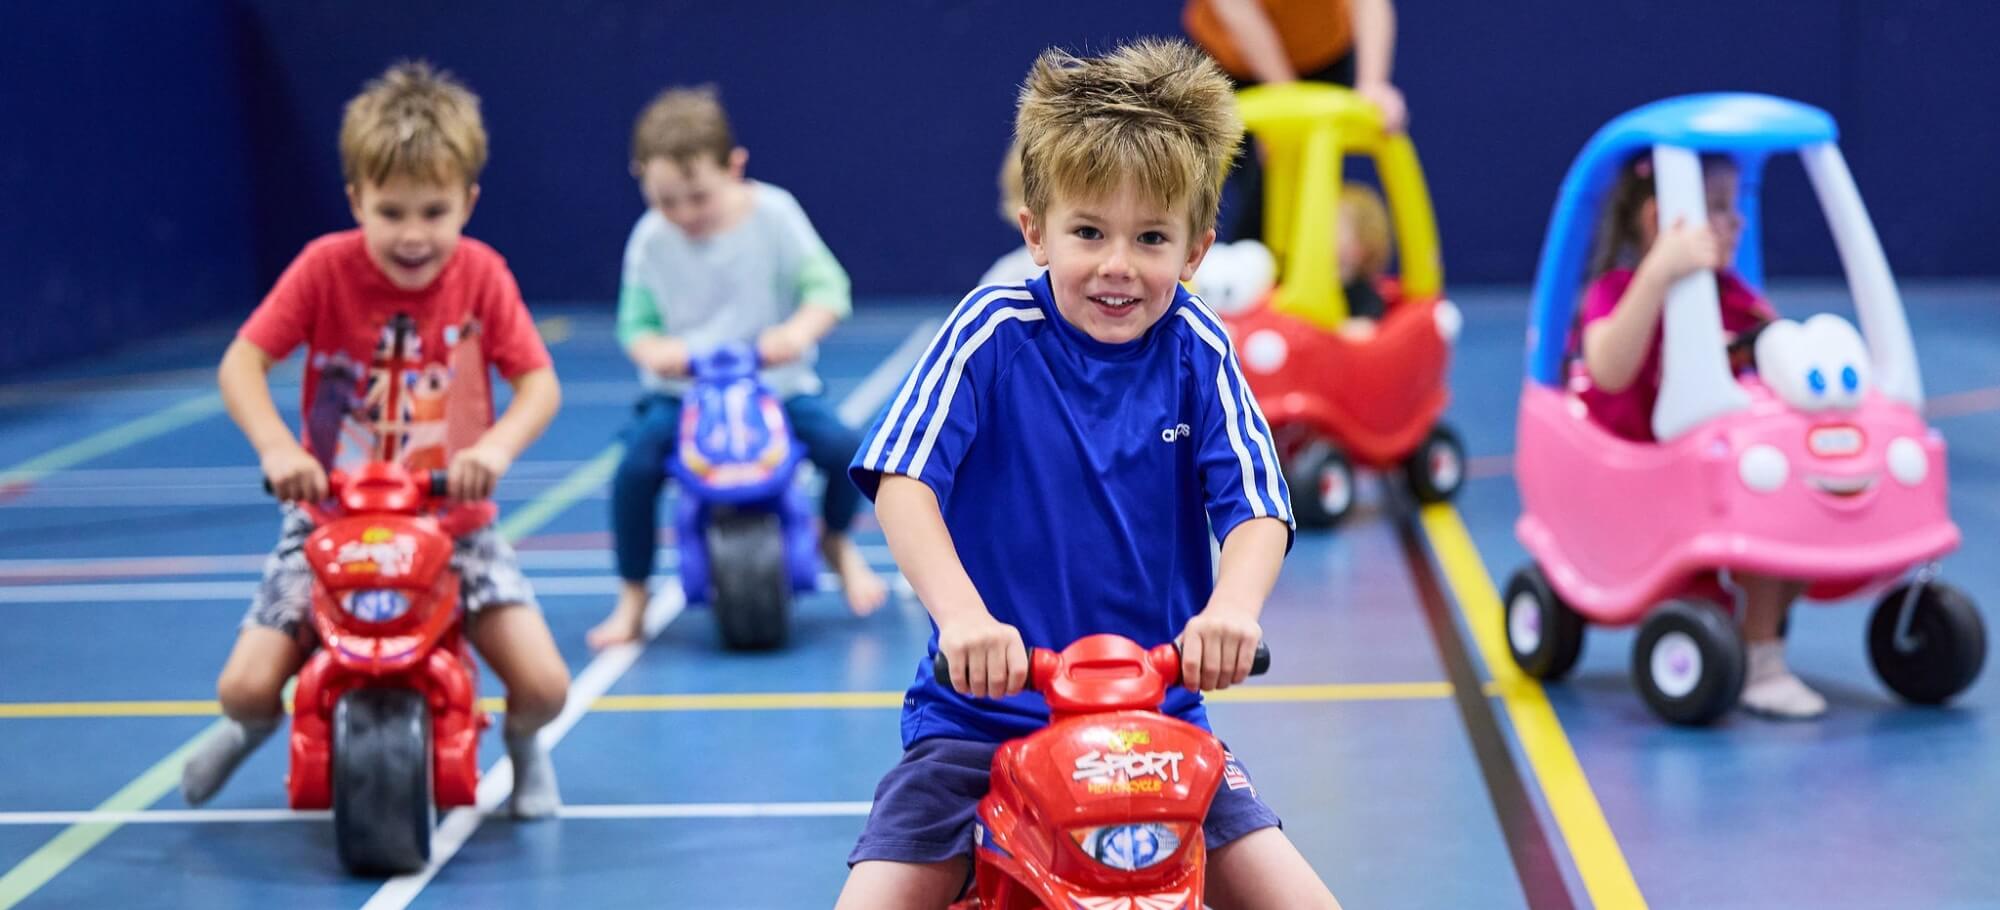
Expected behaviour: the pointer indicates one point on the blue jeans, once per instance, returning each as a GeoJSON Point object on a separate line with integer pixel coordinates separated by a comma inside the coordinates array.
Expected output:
{"type": "Point", "coordinates": [635, 489]}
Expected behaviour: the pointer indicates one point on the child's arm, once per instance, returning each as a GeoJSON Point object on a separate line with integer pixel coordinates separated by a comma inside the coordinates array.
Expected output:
{"type": "Point", "coordinates": [787, 341]}
{"type": "Point", "coordinates": [1218, 645]}
{"type": "Point", "coordinates": [1374, 24]}
{"type": "Point", "coordinates": [825, 298]}
{"type": "Point", "coordinates": [293, 473]}
{"type": "Point", "coordinates": [1615, 346]}
{"type": "Point", "coordinates": [644, 335]}
{"type": "Point", "coordinates": [986, 656]}
{"type": "Point", "coordinates": [477, 468]}
{"type": "Point", "coordinates": [1250, 29]}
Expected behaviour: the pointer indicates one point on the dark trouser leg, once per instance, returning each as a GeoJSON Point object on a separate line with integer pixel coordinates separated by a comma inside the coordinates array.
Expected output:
{"type": "Point", "coordinates": [830, 445]}
{"type": "Point", "coordinates": [635, 488]}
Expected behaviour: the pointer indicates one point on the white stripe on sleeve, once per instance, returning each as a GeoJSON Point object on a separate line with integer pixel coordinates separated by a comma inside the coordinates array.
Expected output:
{"type": "Point", "coordinates": [940, 416]}
{"type": "Point", "coordinates": [1228, 399]}
{"type": "Point", "coordinates": [1254, 420]}
{"type": "Point", "coordinates": [967, 310]}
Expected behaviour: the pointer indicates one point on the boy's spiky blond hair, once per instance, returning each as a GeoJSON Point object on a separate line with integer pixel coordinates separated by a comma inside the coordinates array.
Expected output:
{"type": "Point", "coordinates": [682, 124]}
{"type": "Point", "coordinates": [1156, 112]}
{"type": "Point", "coordinates": [413, 121]}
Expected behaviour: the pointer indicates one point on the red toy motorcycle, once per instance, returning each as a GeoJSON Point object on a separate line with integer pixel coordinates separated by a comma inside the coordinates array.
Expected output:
{"type": "Point", "coordinates": [1102, 808]}
{"type": "Point", "coordinates": [385, 726]}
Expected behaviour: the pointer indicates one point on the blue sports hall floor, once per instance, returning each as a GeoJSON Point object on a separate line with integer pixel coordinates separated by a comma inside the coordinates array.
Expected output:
{"type": "Point", "coordinates": [1412, 768]}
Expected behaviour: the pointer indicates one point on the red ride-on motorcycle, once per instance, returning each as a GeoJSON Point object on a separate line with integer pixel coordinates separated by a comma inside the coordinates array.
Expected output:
{"type": "Point", "coordinates": [385, 719]}
{"type": "Point", "coordinates": [1103, 807]}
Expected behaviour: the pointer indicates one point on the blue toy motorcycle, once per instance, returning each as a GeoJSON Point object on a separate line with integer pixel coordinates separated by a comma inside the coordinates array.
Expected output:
{"type": "Point", "coordinates": [744, 532]}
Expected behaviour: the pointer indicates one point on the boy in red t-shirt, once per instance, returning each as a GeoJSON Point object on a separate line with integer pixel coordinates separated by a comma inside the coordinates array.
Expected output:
{"type": "Point", "coordinates": [411, 147]}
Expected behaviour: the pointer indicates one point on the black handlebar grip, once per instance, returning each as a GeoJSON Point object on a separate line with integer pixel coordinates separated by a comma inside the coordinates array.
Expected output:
{"type": "Point", "coordinates": [1261, 664]}
{"type": "Point", "coordinates": [940, 671]}
{"type": "Point", "coordinates": [440, 482]}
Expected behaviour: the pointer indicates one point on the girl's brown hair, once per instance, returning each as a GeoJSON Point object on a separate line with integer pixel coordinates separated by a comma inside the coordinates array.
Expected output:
{"type": "Point", "coordinates": [1616, 242]}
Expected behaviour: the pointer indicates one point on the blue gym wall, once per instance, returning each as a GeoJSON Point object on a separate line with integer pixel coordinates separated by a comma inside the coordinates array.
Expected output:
{"type": "Point", "coordinates": [124, 210]}
{"type": "Point", "coordinates": [160, 163]}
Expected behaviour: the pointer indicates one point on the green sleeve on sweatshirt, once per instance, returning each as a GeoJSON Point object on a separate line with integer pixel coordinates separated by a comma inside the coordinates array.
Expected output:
{"type": "Point", "coordinates": [638, 314]}
{"type": "Point", "coordinates": [823, 283]}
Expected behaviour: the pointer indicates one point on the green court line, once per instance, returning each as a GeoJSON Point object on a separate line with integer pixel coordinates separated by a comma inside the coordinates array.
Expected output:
{"type": "Point", "coordinates": [77, 839]}
{"type": "Point", "coordinates": [159, 780]}
{"type": "Point", "coordinates": [591, 475]}
{"type": "Point", "coordinates": [111, 440]}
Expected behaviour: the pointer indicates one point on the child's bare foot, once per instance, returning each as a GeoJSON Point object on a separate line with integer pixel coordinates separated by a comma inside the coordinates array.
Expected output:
{"type": "Point", "coordinates": [866, 591]}
{"type": "Point", "coordinates": [626, 624]}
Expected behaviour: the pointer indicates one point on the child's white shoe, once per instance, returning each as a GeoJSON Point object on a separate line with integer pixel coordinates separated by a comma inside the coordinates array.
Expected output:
{"type": "Point", "coordinates": [1773, 691]}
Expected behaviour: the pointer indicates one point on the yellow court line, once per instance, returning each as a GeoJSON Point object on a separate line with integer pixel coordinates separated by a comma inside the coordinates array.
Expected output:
{"type": "Point", "coordinates": [1335, 692]}
{"type": "Point", "coordinates": [1599, 860]}
{"type": "Point", "coordinates": [746, 701]}
{"type": "Point", "coordinates": [18, 710]}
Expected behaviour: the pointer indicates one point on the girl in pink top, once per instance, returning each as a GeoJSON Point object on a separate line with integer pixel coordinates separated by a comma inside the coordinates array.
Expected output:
{"type": "Point", "coordinates": [1621, 359]}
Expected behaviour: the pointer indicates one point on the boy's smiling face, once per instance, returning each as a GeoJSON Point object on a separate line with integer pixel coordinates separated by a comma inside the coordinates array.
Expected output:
{"type": "Point", "coordinates": [411, 225]}
{"type": "Point", "coordinates": [1114, 261]}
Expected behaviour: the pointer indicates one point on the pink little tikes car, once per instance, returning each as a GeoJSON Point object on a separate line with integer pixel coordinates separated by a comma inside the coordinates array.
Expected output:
{"type": "Point", "coordinates": [1818, 466]}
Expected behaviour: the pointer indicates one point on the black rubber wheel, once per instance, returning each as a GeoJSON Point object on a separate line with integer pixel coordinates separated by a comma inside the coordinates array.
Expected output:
{"type": "Point", "coordinates": [384, 807]}
{"type": "Point", "coordinates": [1321, 482]}
{"type": "Point", "coordinates": [1944, 649]}
{"type": "Point", "coordinates": [1436, 470]}
{"type": "Point", "coordinates": [1689, 662]}
{"type": "Point", "coordinates": [1544, 634]}
{"type": "Point", "coordinates": [751, 593]}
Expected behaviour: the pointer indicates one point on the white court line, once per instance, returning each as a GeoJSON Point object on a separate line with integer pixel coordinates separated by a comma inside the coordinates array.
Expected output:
{"type": "Point", "coordinates": [398, 892]}
{"type": "Point", "coordinates": [862, 403]}
{"type": "Point", "coordinates": [498, 782]}
{"type": "Point", "coordinates": [252, 564]}
{"type": "Point", "coordinates": [204, 591]}
{"type": "Point", "coordinates": [608, 811]}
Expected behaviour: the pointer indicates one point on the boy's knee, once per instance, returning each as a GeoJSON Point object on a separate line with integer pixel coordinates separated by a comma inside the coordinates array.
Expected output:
{"type": "Point", "coordinates": [538, 698]}
{"type": "Point", "coordinates": [250, 693]}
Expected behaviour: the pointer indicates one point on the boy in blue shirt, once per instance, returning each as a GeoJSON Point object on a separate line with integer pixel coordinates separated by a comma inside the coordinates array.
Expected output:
{"type": "Point", "coordinates": [1055, 463]}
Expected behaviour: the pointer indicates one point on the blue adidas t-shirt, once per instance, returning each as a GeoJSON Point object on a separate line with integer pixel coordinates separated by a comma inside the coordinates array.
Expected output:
{"type": "Point", "coordinates": [1079, 480]}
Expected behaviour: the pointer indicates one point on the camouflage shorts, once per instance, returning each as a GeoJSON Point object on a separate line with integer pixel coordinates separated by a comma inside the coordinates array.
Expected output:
{"type": "Point", "coordinates": [489, 574]}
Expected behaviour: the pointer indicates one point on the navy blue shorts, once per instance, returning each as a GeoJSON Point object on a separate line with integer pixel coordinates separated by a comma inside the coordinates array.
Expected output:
{"type": "Point", "coordinates": [925, 806]}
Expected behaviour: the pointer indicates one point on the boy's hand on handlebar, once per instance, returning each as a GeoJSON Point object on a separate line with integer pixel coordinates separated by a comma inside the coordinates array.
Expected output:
{"type": "Point", "coordinates": [475, 471]}
{"type": "Point", "coordinates": [985, 656]}
{"type": "Point", "coordinates": [780, 344]}
{"type": "Point", "coordinates": [294, 475]}
{"type": "Point", "coordinates": [662, 356]}
{"type": "Point", "coordinates": [1217, 649]}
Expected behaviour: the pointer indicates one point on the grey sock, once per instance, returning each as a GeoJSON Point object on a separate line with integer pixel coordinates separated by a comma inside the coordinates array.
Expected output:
{"type": "Point", "coordinates": [535, 793]}
{"type": "Point", "coordinates": [218, 755]}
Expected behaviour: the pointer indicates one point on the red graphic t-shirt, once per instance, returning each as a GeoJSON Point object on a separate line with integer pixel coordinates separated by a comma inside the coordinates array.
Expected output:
{"type": "Point", "coordinates": [335, 302]}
